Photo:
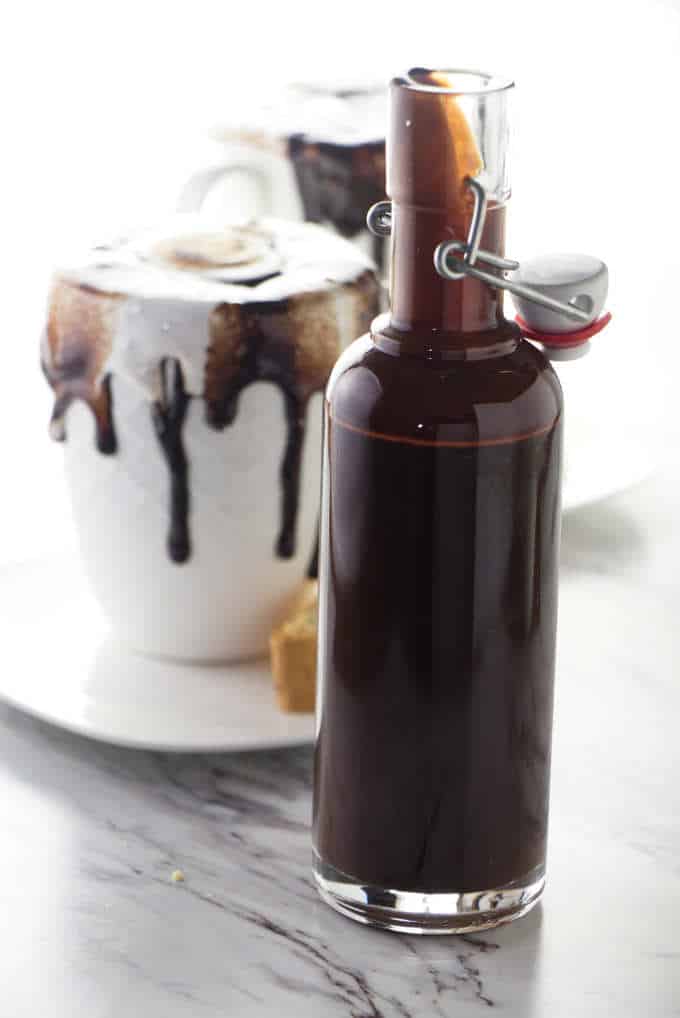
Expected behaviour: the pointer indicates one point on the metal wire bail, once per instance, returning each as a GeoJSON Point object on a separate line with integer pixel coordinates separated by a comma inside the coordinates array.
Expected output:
{"type": "Point", "coordinates": [450, 265]}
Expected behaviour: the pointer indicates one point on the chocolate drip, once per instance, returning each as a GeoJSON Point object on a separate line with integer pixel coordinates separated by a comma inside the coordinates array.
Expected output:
{"type": "Point", "coordinates": [168, 415]}
{"type": "Point", "coordinates": [100, 403]}
{"type": "Point", "coordinates": [313, 567]}
{"type": "Point", "coordinates": [107, 441]}
{"type": "Point", "coordinates": [290, 472]}
{"type": "Point", "coordinates": [339, 183]}
{"type": "Point", "coordinates": [292, 344]}
{"type": "Point", "coordinates": [263, 355]}
{"type": "Point", "coordinates": [75, 348]}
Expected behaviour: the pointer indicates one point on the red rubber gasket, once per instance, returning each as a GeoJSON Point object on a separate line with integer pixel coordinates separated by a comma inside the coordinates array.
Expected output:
{"type": "Point", "coordinates": [564, 339]}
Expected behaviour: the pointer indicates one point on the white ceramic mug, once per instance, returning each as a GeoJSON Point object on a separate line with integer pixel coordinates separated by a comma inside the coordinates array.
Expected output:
{"type": "Point", "coordinates": [116, 321]}
{"type": "Point", "coordinates": [221, 604]}
{"type": "Point", "coordinates": [253, 171]}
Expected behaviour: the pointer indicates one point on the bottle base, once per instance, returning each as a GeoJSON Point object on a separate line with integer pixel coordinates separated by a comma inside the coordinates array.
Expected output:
{"type": "Point", "coordinates": [427, 912]}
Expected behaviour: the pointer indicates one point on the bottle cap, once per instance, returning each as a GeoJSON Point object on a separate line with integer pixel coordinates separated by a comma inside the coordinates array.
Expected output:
{"type": "Point", "coordinates": [575, 279]}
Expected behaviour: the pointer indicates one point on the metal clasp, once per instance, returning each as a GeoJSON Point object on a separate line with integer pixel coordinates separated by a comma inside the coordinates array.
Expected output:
{"type": "Point", "coordinates": [450, 265]}
{"type": "Point", "coordinates": [379, 219]}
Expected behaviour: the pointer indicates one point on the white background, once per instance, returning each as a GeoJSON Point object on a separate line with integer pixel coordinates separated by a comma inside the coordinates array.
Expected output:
{"type": "Point", "coordinates": [106, 107]}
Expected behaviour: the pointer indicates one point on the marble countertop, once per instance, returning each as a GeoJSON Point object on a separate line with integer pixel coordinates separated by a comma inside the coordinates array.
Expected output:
{"type": "Point", "coordinates": [94, 925]}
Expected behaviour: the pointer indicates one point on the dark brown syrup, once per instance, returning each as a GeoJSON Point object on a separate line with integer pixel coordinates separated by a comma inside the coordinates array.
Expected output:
{"type": "Point", "coordinates": [438, 556]}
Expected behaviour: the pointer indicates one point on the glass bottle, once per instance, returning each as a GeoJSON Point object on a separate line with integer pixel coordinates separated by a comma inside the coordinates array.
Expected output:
{"type": "Point", "coordinates": [438, 558]}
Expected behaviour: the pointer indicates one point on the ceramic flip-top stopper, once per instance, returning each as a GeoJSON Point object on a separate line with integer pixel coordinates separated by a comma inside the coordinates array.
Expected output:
{"type": "Point", "coordinates": [575, 279]}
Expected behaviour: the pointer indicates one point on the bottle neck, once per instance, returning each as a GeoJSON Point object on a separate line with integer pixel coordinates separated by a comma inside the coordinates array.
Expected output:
{"type": "Point", "coordinates": [443, 313]}
{"type": "Point", "coordinates": [441, 137]}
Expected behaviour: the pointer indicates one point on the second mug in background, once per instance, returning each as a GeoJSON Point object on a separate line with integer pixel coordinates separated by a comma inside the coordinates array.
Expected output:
{"type": "Point", "coordinates": [316, 153]}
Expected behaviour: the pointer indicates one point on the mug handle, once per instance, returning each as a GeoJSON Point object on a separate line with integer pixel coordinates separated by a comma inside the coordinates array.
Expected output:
{"type": "Point", "coordinates": [199, 185]}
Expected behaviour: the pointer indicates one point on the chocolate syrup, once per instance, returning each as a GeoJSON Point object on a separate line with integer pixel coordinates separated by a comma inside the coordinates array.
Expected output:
{"type": "Point", "coordinates": [106, 432]}
{"type": "Point", "coordinates": [439, 576]}
{"type": "Point", "coordinates": [262, 359]}
{"type": "Point", "coordinates": [339, 183]}
{"type": "Point", "coordinates": [313, 567]}
{"type": "Point", "coordinates": [102, 410]}
{"type": "Point", "coordinates": [438, 561]}
{"type": "Point", "coordinates": [168, 415]}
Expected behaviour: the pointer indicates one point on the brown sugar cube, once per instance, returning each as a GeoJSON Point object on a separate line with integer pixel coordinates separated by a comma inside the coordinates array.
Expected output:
{"type": "Point", "coordinates": [293, 658]}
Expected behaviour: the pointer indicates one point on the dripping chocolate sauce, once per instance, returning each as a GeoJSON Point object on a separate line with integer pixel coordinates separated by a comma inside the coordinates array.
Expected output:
{"type": "Point", "coordinates": [106, 433]}
{"type": "Point", "coordinates": [313, 567]}
{"type": "Point", "coordinates": [67, 385]}
{"type": "Point", "coordinates": [260, 361]}
{"type": "Point", "coordinates": [168, 415]}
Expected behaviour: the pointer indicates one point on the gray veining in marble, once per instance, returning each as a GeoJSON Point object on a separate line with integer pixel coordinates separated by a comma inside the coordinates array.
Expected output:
{"type": "Point", "coordinates": [93, 925]}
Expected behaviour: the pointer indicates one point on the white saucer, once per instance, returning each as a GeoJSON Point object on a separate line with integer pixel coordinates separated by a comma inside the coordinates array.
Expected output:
{"type": "Point", "coordinates": [615, 434]}
{"type": "Point", "coordinates": [60, 664]}
{"type": "Point", "coordinates": [610, 461]}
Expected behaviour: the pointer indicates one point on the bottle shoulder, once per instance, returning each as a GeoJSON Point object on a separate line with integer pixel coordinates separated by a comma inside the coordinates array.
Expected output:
{"type": "Point", "coordinates": [512, 394]}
